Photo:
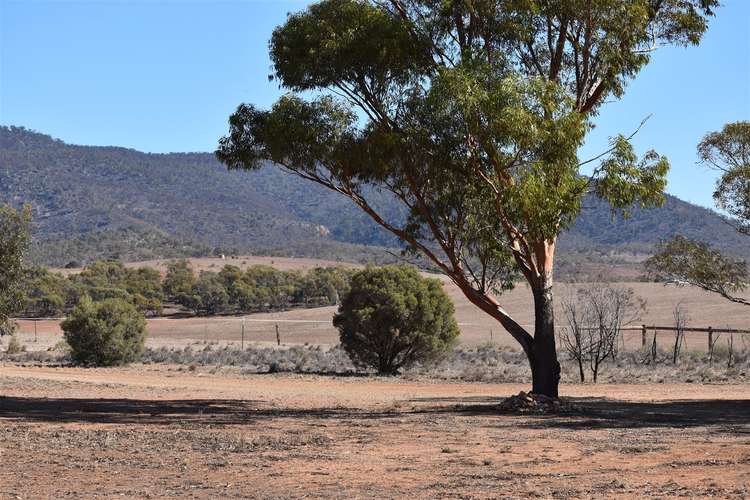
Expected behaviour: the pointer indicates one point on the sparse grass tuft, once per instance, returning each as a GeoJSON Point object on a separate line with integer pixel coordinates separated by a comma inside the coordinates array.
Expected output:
{"type": "Point", "coordinates": [297, 359]}
{"type": "Point", "coordinates": [15, 346]}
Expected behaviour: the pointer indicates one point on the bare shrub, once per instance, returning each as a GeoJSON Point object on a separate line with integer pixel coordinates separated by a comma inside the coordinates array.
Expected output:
{"type": "Point", "coordinates": [681, 319]}
{"type": "Point", "coordinates": [595, 318]}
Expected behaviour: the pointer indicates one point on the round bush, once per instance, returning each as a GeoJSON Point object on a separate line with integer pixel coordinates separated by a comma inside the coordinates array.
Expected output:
{"type": "Point", "coordinates": [392, 318]}
{"type": "Point", "coordinates": [107, 333]}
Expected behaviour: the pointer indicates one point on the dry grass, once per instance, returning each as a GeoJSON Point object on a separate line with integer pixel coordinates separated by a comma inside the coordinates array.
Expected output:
{"type": "Point", "coordinates": [488, 363]}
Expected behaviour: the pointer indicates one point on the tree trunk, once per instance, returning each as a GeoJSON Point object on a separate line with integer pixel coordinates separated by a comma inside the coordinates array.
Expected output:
{"type": "Point", "coordinates": [545, 369]}
{"type": "Point", "coordinates": [580, 370]}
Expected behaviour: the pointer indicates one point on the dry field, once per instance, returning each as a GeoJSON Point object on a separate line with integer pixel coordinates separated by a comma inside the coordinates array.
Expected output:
{"type": "Point", "coordinates": [146, 432]}
{"type": "Point", "coordinates": [314, 325]}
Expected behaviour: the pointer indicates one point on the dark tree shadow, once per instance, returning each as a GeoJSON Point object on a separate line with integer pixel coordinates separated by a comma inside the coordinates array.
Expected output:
{"type": "Point", "coordinates": [161, 412]}
{"type": "Point", "coordinates": [591, 413]}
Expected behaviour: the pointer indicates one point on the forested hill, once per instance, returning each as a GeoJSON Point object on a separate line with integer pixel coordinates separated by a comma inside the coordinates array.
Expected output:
{"type": "Point", "coordinates": [94, 202]}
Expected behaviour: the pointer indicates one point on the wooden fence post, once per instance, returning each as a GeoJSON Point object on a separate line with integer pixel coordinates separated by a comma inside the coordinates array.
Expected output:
{"type": "Point", "coordinates": [710, 338]}
{"type": "Point", "coordinates": [643, 335]}
{"type": "Point", "coordinates": [278, 337]}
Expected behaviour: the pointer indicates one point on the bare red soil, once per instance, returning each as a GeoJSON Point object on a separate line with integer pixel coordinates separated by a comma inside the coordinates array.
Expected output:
{"type": "Point", "coordinates": [155, 432]}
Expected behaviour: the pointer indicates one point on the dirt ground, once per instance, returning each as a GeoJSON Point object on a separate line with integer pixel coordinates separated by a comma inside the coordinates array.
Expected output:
{"type": "Point", "coordinates": [156, 432]}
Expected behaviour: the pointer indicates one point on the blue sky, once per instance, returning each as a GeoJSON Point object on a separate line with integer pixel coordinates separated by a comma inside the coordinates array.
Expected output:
{"type": "Point", "coordinates": [164, 76]}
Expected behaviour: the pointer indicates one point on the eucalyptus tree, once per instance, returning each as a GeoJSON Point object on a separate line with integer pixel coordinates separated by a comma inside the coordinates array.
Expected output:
{"type": "Point", "coordinates": [470, 113]}
{"type": "Point", "coordinates": [685, 261]}
{"type": "Point", "coordinates": [698, 263]}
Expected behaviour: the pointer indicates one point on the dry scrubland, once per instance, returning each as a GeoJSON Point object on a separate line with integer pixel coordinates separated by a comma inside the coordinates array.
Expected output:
{"type": "Point", "coordinates": [200, 419]}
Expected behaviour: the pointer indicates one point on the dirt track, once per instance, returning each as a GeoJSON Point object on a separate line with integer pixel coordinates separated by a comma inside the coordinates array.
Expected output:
{"type": "Point", "coordinates": [154, 432]}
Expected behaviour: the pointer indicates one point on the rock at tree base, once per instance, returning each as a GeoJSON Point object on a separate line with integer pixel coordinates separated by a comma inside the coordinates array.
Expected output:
{"type": "Point", "coordinates": [529, 402]}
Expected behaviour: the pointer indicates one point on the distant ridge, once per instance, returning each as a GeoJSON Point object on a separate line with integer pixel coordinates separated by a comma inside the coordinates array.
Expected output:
{"type": "Point", "coordinates": [91, 202]}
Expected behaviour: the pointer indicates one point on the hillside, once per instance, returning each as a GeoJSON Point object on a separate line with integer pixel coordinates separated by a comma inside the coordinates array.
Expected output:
{"type": "Point", "coordinates": [94, 202]}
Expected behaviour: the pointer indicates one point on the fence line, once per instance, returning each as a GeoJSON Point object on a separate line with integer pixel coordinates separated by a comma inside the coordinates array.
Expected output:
{"type": "Point", "coordinates": [707, 329]}
{"type": "Point", "coordinates": [223, 318]}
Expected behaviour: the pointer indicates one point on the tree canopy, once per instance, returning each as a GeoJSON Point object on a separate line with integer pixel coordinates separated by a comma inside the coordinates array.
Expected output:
{"type": "Point", "coordinates": [729, 151]}
{"type": "Point", "coordinates": [471, 114]}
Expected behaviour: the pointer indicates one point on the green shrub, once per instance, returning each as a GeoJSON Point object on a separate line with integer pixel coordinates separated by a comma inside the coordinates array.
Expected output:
{"type": "Point", "coordinates": [392, 318]}
{"type": "Point", "coordinates": [107, 333]}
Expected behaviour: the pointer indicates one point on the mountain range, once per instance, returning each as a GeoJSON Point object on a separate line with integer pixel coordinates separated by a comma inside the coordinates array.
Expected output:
{"type": "Point", "coordinates": [91, 202]}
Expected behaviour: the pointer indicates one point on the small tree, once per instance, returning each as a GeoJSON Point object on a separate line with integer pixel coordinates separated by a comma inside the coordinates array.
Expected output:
{"type": "Point", "coordinates": [44, 292]}
{"type": "Point", "coordinates": [14, 241]}
{"type": "Point", "coordinates": [107, 333]}
{"type": "Point", "coordinates": [14, 346]}
{"type": "Point", "coordinates": [179, 279]}
{"type": "Point", "coordinates": [145, 289]}
{"type": "Point", "coordinates": [595, 320]}
{"type": "Point", "coordinates": [392, 318]}
{"type": "Point", "coordinates": [207, 296]}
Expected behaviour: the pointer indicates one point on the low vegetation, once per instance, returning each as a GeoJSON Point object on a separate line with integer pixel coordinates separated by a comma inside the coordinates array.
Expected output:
{"type": "Point", "coordinates": [297, 359]}
{"type": "Point", "coordinates": [488, 363]}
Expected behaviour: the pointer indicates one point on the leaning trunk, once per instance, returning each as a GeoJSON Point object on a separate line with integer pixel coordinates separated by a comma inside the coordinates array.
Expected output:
{"type": "Point", "coordinates": [545, 369]}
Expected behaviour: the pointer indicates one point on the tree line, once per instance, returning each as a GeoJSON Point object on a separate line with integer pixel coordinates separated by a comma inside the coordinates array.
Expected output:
{"type": "Point", "coordinates": [44, 293]}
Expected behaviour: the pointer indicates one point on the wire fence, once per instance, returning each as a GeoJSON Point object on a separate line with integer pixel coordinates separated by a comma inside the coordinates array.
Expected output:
{"type": "Point", "coordinates": [244, 330]}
